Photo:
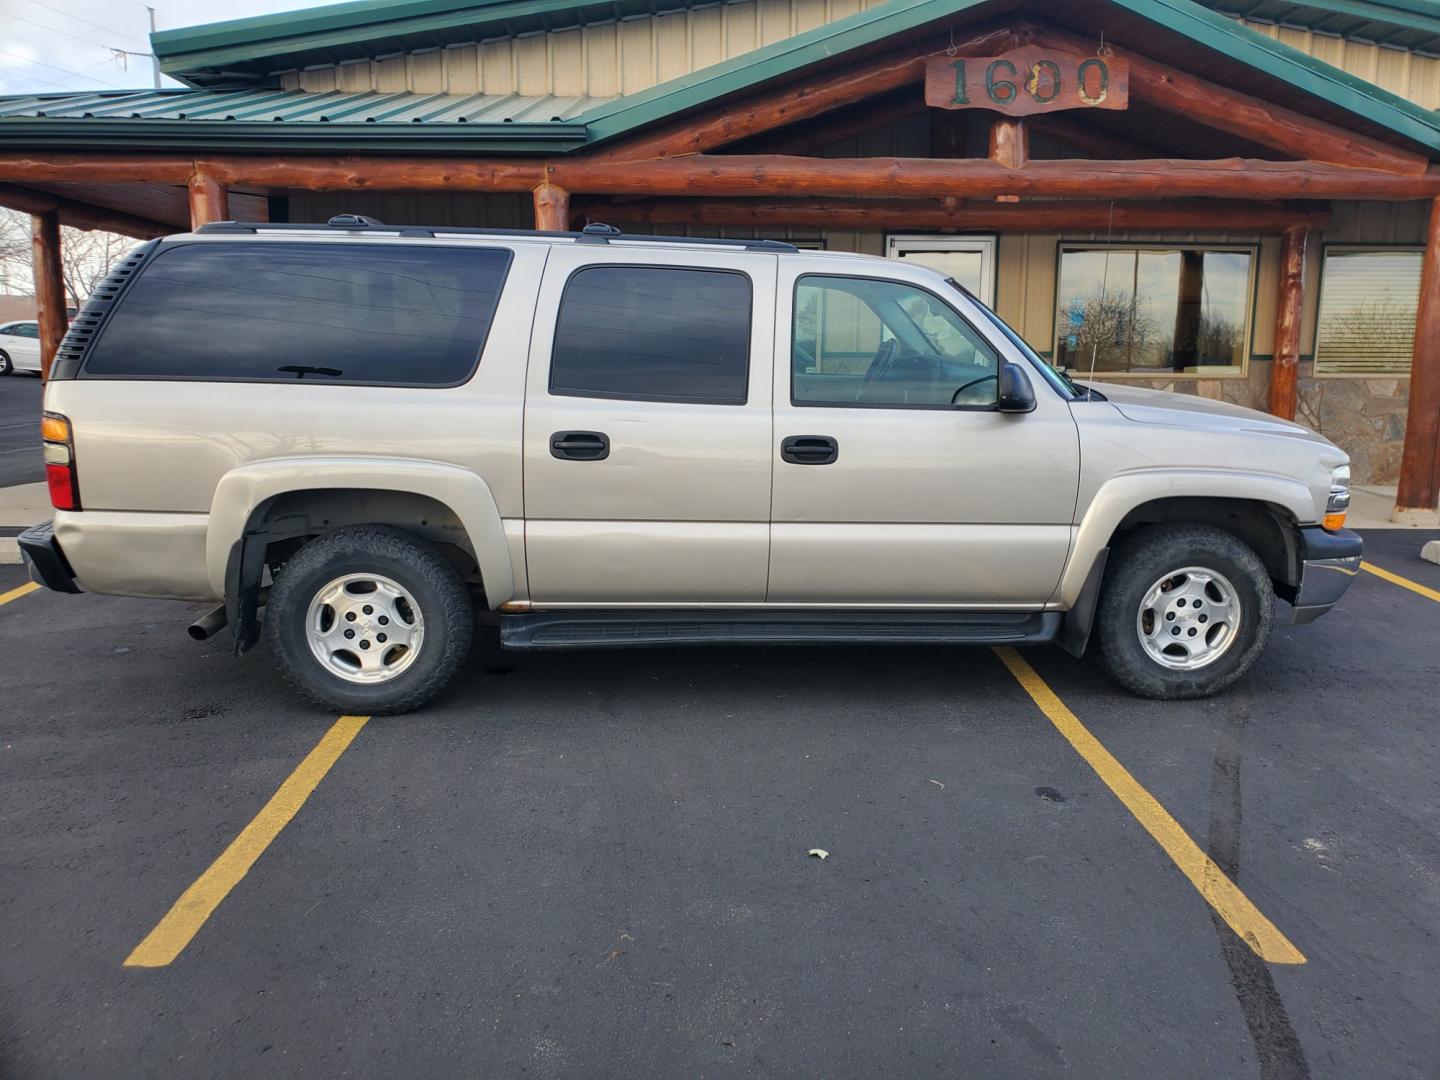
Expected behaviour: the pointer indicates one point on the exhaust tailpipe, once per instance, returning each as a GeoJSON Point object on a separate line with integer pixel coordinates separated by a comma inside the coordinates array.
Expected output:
{"type": "Point", "coordinates": [208, 625]}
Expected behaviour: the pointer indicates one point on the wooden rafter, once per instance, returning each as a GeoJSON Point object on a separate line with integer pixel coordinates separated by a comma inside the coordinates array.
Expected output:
{"type": "Point", "coordinates": [78, 214]}
{"type": "Point", "coordinates": [1261, 122]}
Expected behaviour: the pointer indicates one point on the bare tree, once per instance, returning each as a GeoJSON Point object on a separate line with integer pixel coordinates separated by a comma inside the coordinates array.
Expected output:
{"type": "Point", "coordinates": [86, 257]}
{"type": "Point", "coordinates": [15, 253]}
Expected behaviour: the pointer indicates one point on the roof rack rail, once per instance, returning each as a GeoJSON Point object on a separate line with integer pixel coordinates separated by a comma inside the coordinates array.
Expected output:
{"type": "Point", "coordinates": [594, 233]}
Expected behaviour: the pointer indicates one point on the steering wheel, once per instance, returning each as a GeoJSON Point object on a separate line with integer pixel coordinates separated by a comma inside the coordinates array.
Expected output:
{"type": "Point", "coordinates": [955, 397]}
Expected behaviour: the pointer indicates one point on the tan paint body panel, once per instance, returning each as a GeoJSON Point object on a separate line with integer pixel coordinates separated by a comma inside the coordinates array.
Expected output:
{"type": "Point", "coordinates": [937, 505]}
{"type": "Point", "coordinates": [680, 508]}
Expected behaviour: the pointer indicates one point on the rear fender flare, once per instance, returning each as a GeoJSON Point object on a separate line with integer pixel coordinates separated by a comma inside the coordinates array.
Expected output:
{"type": "Point", "coordinates": [242, 491]}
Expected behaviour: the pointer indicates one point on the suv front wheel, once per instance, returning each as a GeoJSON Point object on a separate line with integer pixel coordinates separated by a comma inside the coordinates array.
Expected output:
{"type": "Point", "coordinates": [1184, 612]}
{"type": "Point", "coordinates": [368, 619]}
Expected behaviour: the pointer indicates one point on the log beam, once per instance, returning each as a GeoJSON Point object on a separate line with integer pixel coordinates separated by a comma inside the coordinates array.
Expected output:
{"type": "Point", "coordinates": [1418, 495]}
{"type": "Point", "coordinates": [552, 208]}
{"type": "Point", "coordinates": [79, 215]}
{"type": "Point", "coordinates": [761, 175]}
{"type": "Point", "coordinates": [880, 214]}
{"type": "Point", "coordinates": [1285, 365]}
{"type": "Point", "coordinates": [49, 285]}
{"type": "Point", "coordinates": [1238, 113]}
{"type": "Point", "coordinates": [209, 199]}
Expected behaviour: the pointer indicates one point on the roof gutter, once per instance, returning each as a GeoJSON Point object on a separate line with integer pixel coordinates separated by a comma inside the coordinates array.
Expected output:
{"type": "Point", "coordinates": [78, 133]}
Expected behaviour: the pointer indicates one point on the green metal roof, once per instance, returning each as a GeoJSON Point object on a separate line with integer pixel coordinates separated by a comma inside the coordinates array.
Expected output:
{"type": "Point", "coordinates": [1400, 24]}
{"type": "Point", "coordinates": [441, 123]}
{"type": "Point", "coordinates": [256, 47]}
{"type": "Point", "coordinates": [266, 119]}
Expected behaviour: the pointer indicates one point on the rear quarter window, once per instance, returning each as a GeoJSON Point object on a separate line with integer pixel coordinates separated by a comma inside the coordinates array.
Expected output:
{"type": "Point", "coordinates": [352, 313]}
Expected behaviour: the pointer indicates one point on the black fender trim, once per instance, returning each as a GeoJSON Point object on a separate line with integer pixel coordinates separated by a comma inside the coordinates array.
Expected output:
{"type": "Point", "coordinates": [1074, 633]}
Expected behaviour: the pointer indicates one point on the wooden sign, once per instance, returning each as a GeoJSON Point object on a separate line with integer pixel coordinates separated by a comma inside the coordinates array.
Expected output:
{"type": "Point", "coordinates": [1028, 80]}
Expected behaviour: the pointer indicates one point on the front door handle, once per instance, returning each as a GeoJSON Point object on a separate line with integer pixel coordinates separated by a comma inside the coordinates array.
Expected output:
{"type": "Point", "coordinates": [580, 445]}
{"type": "Point", "coordinates": [809, 450]}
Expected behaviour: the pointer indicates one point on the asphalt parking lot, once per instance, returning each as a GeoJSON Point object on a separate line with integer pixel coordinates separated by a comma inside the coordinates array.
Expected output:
{"type": "Point", "coordinates": [595, 864]}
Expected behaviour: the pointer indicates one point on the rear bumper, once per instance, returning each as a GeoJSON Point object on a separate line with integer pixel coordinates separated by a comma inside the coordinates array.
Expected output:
{"type": "Point", "coordinates": [1329, 563]}
{"type": "Point", "coordinates": [47, 563]}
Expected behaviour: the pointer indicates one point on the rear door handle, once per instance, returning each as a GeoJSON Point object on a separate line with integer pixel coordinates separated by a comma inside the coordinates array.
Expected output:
{"type": "Point", "coordinates": [809, 450]}
{"type": "Point", "coordinates": [580, 445]}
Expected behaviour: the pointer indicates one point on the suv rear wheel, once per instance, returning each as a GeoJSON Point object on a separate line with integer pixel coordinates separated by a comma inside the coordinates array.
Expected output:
{"type": "Point", "coordinates": [368, 619]}
{"type": "Point", "coordinates": [1184, 613]}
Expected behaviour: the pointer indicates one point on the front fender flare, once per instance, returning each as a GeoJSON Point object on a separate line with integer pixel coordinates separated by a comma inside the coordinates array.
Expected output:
{"type": "Point", "coordinates": [1123, 493]}
{"type": "Point", "coordinates": [243, 490]}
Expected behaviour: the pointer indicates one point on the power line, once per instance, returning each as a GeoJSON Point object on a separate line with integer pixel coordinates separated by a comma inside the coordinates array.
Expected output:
{"type": "Point", "coordinates": [88, 22]}
{"type": "Point", "coordinates": [47, 82]}
{"type": "Point", "coordinates": [65, 71]}
{"type": "Point", "coordinates": [57, 30]}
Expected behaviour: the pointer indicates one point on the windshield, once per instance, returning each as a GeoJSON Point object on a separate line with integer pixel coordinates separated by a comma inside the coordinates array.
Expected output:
{"type": "Point", "coordinates": [1053, 375]}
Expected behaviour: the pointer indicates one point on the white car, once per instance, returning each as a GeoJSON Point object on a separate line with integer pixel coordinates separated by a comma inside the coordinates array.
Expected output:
{"type": "Point", "coordinates": [20, 346]}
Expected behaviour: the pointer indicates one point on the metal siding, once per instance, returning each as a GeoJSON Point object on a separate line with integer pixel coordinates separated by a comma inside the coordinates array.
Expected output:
{"type": "Point", "coordinates": [1410, 75]}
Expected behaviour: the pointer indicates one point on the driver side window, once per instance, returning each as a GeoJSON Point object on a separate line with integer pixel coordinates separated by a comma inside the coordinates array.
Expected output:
{"type": "Point", "coordinates": [859, 341]}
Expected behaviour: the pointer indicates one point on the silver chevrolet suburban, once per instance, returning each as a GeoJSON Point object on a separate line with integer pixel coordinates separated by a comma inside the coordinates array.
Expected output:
{"type": "Point", "coordinates": [374, 435]}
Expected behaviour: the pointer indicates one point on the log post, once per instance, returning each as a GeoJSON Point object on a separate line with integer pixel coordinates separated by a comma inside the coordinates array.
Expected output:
{"type": "Point", "coordinates": [552, 208]}
{"type": "Point", "coordinates": [1418, 496]}
{"type": "Point", "coordinates": [1009, 142]}
{"type": "Point", "coordinates": [49, 285]}
{"type": "Point", "coordinates": [209, 200]}
{"type": "Point", "coordinates": [1289, 311]}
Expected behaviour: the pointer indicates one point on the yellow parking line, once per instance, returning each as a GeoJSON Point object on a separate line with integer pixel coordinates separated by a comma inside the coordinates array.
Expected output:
{"type": "Point", "coordinates": [1219, 891]}
{"type": "Point", "coordinates": [16, 593]}
{"type": "Point", "coordinates": [1394, 579]}
{"type": "Point", "coordinates": [196, 904]}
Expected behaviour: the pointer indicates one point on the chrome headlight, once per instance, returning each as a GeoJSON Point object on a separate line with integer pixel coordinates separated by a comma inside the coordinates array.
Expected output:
{"type": "Point", "coordinates": [1338, 504]}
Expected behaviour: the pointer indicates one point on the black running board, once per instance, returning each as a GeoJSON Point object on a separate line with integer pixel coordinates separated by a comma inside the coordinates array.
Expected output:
{"type": "Point", "coordinates": [621, 628]}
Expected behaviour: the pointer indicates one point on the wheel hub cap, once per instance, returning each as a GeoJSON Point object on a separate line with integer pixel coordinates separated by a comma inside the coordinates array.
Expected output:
{"type": "Point", "coordinates": [1189, 618]}
{"type": "Point", "coordinates": [364, 628]}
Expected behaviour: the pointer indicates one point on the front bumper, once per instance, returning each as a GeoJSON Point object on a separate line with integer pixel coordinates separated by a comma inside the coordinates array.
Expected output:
{"type": "Point", "coordinates": [46, 561]}
{"type": "Point", "coordinates": [1329, 562]}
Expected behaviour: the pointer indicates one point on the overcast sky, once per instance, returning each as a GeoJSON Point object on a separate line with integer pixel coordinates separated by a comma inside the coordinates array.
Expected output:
{"type": "Point", "coordinates": [51, 46]}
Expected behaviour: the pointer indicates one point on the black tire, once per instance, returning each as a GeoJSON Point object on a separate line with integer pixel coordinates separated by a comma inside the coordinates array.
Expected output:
{"type": "Point", "coordinates": [1141, 559]}
{"type": "Point", "coordinates": [6, 367]}
{"type": "Point", "coordinates": [416, 566]}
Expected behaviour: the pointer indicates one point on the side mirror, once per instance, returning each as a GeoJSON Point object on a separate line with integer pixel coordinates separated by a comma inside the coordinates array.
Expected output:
{"type": "Point", "coordinates": [1016, 393]}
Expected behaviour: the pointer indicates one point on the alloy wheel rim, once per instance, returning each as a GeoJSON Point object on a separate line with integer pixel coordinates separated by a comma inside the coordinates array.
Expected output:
{"type": "Point", "coordinates": [1189, 618]}
{"type": "Point", "coordinates": [364, 628]}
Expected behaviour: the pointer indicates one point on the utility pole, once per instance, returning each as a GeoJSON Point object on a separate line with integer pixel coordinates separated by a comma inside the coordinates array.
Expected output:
{"type": "Point", "coordinates": [154, 60]}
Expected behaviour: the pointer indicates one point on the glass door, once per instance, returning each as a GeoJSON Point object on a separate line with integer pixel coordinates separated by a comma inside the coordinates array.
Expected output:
{"type": "Point", "coordinates": [970, 260]}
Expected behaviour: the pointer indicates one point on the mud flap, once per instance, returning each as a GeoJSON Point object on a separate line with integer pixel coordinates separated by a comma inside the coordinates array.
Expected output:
{"type": "Point", "coordinates": [243, 573]}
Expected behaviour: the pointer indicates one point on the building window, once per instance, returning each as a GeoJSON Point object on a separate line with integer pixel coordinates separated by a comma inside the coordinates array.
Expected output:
{"type": "Point", "coordinates": [649, 333]}
{"type": "Point", "coordinates": [1154, 310]}
{"type": "Point", "coordinates": [1367, 311]}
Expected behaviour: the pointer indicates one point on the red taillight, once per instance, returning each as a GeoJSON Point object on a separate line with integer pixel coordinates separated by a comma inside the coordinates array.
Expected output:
{"type": "Point", "coordinates": [59, 451]}
{"type": "Point", "coordinates": [61, 479]}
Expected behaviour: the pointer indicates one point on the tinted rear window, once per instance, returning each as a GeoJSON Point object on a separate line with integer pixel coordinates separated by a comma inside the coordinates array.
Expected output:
{"type": "Point", "coordinates": [323, 312]}
{"type": "Point", "coordinates": [653, 334]}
